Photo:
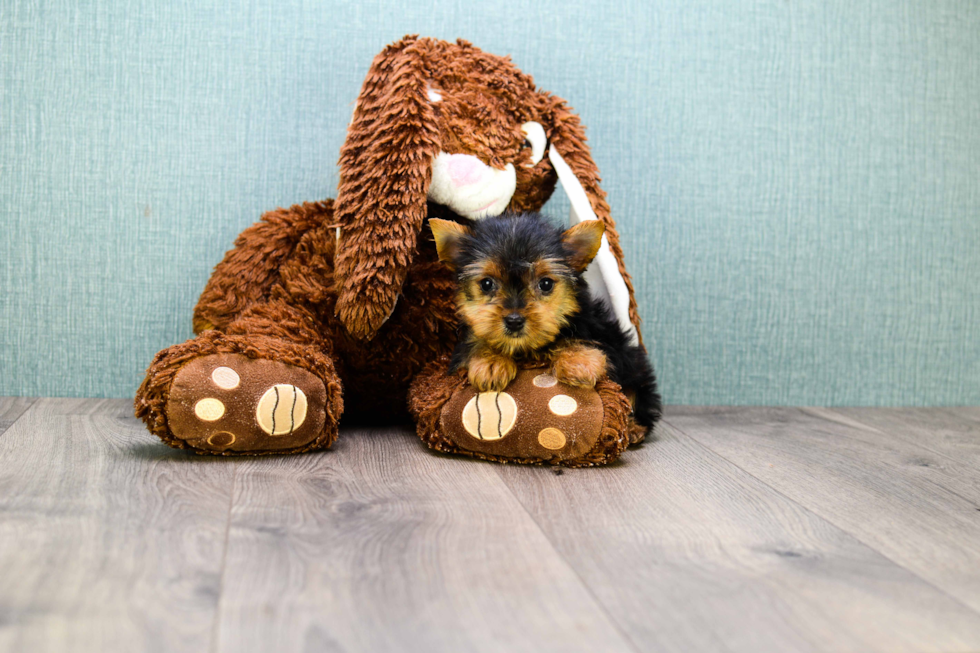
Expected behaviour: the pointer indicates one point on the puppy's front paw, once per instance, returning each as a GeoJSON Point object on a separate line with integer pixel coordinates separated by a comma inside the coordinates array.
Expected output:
{"type": "Point", "coordinates": [579, 365]}
{"type": "Point", "coordinates": [491, 372]}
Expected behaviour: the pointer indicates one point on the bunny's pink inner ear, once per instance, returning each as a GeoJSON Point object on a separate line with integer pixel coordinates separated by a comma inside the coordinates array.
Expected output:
{"type": "Point", "coordinates": [385, 171]}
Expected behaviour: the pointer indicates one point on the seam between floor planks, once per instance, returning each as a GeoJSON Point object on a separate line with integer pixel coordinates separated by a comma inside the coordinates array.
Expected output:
{"type": "Point", "coordinates": [569, 563]}
{"type": "Point", "coordinates": [108, 466]}
{"type": "Point", "coordinates": [544, 491]}
{"type": "Point", "coordinates": [843, 527]}
{"type": "Point", "coordinates": [216, 619]}
{"type": "Point", "coordinates": [829, 520]}
{"type": "Point", "coordinates": [382, 522]}
{"type": "Point", "coordinates": [12, 409]}
{"type": "Point", "coordinates": [833, 415]}
{"type": "Point", "coordinates": [868, 423]}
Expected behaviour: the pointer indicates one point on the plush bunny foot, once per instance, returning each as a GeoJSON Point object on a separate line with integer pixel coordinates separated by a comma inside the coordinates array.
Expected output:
{"type": "Point", "coordinates": [537, 419]}
{"type": "Point", "coordinates": [229, 403]}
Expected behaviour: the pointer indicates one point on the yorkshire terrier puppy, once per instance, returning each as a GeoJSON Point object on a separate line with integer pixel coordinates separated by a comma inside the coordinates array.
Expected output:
{"type": "Point", "coordinates": [522, 297]}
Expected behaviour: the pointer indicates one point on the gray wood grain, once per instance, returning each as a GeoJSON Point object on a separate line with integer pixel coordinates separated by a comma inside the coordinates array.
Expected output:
{"type": "Point", "coordinates": [109, 541]}
{"type": "Point", "coordinates": [381, 545]}
{"type": "Point", "coordinates": [738, 530]}
{"type": "Point", "coordinates": [688, 552]}
{"type": "Point", "coordinates": [951, 435]}
{"type": "Point", "coordinates": [381, 531]}
{"type": "Point", "coordinates": [12, 408]}
{"type": "Point", "coordinates": [867, 482]}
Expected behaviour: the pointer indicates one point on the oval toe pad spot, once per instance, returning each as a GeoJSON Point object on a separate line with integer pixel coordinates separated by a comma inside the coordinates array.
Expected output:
{"type": "Point", "coordinates": [209, 409]}
{"type": "Point", "coordinates": [551, 438]}
{"type": "Point", "coordinates": [562, 405]}
{"type": "Point", "coordinates": [222, 439]}
{"type": "Point", "coordinates": [225, 378]}
{"type": "Point", "coordinates": [545, 381]}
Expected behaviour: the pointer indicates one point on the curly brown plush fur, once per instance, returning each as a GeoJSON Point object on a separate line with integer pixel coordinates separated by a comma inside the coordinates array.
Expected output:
{"type": "Point", "coordinates": [346, 289]}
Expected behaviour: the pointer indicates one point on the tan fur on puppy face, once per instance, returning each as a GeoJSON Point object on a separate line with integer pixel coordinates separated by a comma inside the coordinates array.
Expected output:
{"type": "Point", "coordinates": [545, 313]}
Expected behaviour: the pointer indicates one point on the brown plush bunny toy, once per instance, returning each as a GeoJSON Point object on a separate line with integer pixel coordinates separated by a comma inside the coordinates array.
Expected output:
{"type": "Point", "coordinates": [336, 307]}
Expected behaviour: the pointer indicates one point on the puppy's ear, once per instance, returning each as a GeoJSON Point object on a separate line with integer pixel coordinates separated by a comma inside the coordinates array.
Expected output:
{"type": "Point", "coordinates": [583, 241]}
{"type": "Point", "coordinates": [579, 176]}
{"type": "Point", "coordinates": [448, 234]}
{"type": "Point", "coordinates": [385, 171]}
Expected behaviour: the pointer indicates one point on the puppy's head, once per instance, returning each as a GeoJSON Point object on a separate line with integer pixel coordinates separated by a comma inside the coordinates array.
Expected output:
{"type": "Point", "coordinates": [519, 276]}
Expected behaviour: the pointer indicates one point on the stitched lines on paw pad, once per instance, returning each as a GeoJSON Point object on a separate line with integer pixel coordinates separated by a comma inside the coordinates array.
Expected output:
{"type": "Point", "coordinates": [490, 415]}
{"type": "Point", "coordinates": [281, 410]}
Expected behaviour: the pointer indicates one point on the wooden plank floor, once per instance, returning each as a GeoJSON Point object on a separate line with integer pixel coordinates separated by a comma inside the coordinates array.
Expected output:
{"type": "Point", "coordinates": [736, 529]}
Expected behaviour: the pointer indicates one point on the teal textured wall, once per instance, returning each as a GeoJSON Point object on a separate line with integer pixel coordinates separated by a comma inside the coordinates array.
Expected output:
{"type": "Point", "coordinates": [797, 183]}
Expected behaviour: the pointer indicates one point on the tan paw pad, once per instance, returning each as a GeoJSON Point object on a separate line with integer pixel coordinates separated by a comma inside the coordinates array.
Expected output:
{"type": "Point", "coordinates": [209, 409]}
{"type": "Point", "coordinates": [562, 405]}
{"type": "Point", "coordinates": [222, 439]}
{"type": "Point", "coordinates": [281, 410]}
{"type": "Point", "coordinates": [545, 381]}
{"type": "Point", "coordinates": [490, 415]}
{"type": "Point", "coordinates": [551, 438]}
{"type": "Point", "coordinates": [225, 378]}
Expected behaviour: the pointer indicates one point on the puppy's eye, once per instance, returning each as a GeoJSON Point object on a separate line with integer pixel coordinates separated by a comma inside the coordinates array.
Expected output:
{"type": "Point", "coordinates": [486, 285]}
{"type": "Point", "coordinates": [546, 285]}
{"type": "Point", "coordinates": [526, 145]}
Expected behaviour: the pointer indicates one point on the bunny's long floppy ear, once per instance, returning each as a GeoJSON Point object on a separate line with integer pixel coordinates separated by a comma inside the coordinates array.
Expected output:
{"type": "Point", "coordinates": [385, 170]}
{"type": "Point", "coordinates": [579, 176]}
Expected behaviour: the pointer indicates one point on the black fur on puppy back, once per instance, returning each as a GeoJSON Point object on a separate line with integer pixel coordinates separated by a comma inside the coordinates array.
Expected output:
{"type": "Point", "coordinates": [629, 365]}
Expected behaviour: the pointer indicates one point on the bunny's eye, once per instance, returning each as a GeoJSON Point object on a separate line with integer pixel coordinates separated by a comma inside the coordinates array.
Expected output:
{"type": "Point", "coordinates": [486, 285]}
{"type": "Point", "coordinates": [536, 139]}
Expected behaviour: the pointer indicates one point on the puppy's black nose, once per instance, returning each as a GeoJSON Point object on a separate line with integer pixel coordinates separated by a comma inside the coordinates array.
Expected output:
{"type": "Point", "coordinates": [514, 322]}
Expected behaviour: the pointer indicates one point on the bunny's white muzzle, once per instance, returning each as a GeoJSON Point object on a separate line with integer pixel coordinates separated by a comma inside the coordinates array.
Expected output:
{"type": "Point", "coordinates": [470, 187]}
